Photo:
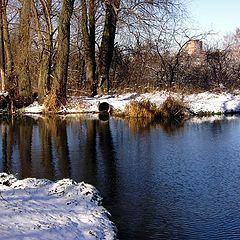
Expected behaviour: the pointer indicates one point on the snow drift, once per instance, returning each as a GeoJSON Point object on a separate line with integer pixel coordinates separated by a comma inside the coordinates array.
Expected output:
{"type": "Point", "coordinates": [42, 209]}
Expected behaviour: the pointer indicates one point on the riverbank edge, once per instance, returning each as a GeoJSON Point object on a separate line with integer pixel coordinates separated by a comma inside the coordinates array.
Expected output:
{"type": "Point", "coordinates": [200, 104]}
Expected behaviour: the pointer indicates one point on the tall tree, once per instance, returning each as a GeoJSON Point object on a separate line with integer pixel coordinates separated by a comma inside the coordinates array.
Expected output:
{"type": "Point", "coordinates": [46, 52]}
{"type": "Point", "coordinates": [88, 22]}
{"type": "Point", "coordinates": [107, 43]}
{"type": "Point", "coordinates": [88, 32]}
{"type": "Point", "coordinates": [2, 52]}
{"type": "Point", "coordinates": [23, 52]}
{"type": "Point", "coordinates": [9, 67]}
{"type": "Point", "coordinates": [62, 52]}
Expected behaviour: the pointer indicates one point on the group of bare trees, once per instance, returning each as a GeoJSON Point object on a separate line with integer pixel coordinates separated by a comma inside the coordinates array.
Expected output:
{"type": "Point", "coordinates": [27, 47]}
{"type": "Point", "coordinates": [158, 64]}
{"type": "Point", "coordinates": [53, 46]}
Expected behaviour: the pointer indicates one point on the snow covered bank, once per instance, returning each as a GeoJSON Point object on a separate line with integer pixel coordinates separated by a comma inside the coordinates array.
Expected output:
{"type": "Point", "coordinates": [197, 103]}
{"type": "Point", "coordinates": [41, 209]}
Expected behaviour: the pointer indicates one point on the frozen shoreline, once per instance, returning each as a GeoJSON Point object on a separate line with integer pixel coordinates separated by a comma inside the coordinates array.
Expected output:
{"type": "Point", "coordinates": [42, 209]}
{"type": "Point", "coordinates": [206, 102]}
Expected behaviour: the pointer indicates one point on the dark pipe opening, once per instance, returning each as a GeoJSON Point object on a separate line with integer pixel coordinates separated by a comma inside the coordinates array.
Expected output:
{"type": "Point", "coordinates": [104, 107]}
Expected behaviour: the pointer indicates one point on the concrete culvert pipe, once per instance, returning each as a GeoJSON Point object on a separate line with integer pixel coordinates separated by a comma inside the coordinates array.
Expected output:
{"type": "Point", "coordinates": [104, 107]}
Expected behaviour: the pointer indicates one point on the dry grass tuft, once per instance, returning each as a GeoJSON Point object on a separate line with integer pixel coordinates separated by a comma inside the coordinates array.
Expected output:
{"type": "Point", "coordinates": [173, 109]}
{"type": "Point", "coordinates": [141, 109]}
{"type": "Point", "coordinates": [51, 103]}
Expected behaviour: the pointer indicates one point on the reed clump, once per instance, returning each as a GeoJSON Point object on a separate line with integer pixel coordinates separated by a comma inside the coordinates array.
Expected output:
{"type": "Point", "coordinates": [141, 109]}
{"type": "Point", "coordinates": [51, 103]}
{"type": "Point", "coordinates": [173, 108]}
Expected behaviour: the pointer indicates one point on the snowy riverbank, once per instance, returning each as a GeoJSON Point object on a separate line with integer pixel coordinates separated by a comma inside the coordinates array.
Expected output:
{"type": "Point", "coordinates": [41, 209]}
{"type": "Point", "coordinates": [207, 102]}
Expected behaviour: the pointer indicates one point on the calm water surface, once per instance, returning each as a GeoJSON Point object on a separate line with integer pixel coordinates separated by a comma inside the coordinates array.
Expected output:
{"type": "Point", "coordinates": [158, 181]}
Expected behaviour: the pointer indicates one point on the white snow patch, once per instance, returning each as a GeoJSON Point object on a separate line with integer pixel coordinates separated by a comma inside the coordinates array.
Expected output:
{"type": "Point", "coordinates": [34, 108]}
{"type": "Point", "coordinates": [212, 102]}
{"type": "Point", "coordinates": [41, 209]}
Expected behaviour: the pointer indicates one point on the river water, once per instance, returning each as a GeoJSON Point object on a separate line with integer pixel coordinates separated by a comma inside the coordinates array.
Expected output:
{"type": "Point", "coordinates": [158, 181]}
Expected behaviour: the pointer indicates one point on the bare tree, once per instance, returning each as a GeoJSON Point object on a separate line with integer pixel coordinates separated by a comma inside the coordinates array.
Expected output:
{"type": "Point", "coordinates": [44, 79]}
{"type": "Point", "coordinates": [6, 51]}
{"type": "Point", "coordinates": [107, 43]}
{"type": "Point", "coordinates": [2, 52]}
{"type": "Point", "coordinates": [88, 32]}
{"type": "Point", "coordinates": [23, 51]}
{"type": "Point", "coordinates": [60, 71]}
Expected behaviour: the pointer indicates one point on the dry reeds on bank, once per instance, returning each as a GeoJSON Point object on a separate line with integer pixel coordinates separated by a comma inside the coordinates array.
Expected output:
{"type": "Point", "coordinates": [173, 108]}
{"type": "Point", "coordinates": [141, 109]}
{"type": "Point", "coordinates": [52, 103]}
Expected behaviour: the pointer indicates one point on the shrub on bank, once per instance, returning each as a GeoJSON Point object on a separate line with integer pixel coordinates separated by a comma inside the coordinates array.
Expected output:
{"type": "Point", "coordinates": [52, 104]}
{"type": "Point", "coordinates": [141, 109]}
{"type": "Point", "coordinates": [173, 109]}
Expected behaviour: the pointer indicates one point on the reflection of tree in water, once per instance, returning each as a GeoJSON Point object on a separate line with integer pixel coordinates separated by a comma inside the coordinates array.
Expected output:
{"type": "Point", "coordinates": [216, 127]}
{"type": "Point", "coordinates": [99, 146]}
{"type": "Point", "coordinates": [46, 148]}
{"type": "Point", "coordinates": [58, 131]}
{"type": "Point", "coordinates": [24, 127]}
{"type": "Point", "coordinates": [7, 145]}
{"type": "Point", "coordinates": [139, 124]}
{"type": "Point", "coordinates": [108, 155]}
{"type": "Point", "coordinates": [172, 127]}
{"type": "Point", "coordinates": [51, 141]}
{"type": "Point", "coordinates": [90, 151]}
{"type": "Point", "coordinates": [17, 131]}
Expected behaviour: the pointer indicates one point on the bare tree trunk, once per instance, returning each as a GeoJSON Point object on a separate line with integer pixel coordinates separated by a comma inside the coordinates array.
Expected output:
{"type": "Point", "coordinates": [107, 44]}
{"type": "Point", "coordinates": [23, 52]}
{"type": "Point", "coordinates": [62, 52]}
{"type": "Point", "coordinates": [7, 48]}
{"type": "Point", "coordinates": [88, 31]}
{"type": "Point", "coordinates": [46, 55]}
{"type": "Point", "coordinates": [2, 52]}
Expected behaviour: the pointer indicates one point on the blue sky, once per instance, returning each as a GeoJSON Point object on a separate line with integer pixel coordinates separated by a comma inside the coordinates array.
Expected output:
{"type": "Point", "coordinates": [220, 16]}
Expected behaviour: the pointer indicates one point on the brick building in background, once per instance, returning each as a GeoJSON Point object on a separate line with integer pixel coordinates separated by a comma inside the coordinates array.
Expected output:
{"type": "Point", "coordinates": [194, 47]}
{"type": "Point", "coordinates": [194, 51]}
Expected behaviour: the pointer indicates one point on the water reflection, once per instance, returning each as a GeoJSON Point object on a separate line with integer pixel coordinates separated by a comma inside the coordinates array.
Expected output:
{"type": "Point", "coordinates": [27, 147]}
{"type": "Point", "coordinates": [46, 148]}
{"type": "Point", "coordinates": [145, 124]}
{"type": "Point", "coordinates": [158, 180]}
{"type": "Point", "coordinates": [59, 147]}
{"type": "Point", "coordinates": [24, 129]}
{"type": "Point", "coordinates": [7, 143]}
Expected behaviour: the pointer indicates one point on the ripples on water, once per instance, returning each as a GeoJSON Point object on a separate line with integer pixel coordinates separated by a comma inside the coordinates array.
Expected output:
{"type": "Point", "coordinates": [158, 181]}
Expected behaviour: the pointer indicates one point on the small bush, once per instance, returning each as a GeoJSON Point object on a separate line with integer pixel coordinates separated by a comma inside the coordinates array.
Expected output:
{"type": "Point", "coordinates": [173, 109]}
{"type": "Point", "coordinates": [141, 109]}
{"type": "Point", "coordinates": [51, 103]}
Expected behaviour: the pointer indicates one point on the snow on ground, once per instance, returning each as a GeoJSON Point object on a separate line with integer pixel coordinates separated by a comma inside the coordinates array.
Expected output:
{"type": "Point", "coordinates": [34, 108]}
{"type": "Point", "coordinates": [41, 209]}
{"type": "Point", "coordinates": [201, 102]}
{"type": "Point", "coordinates": [213, 102]}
